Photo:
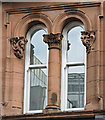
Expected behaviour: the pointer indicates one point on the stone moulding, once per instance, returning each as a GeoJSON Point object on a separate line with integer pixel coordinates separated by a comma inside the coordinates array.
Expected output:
{"type": "Point", "coordinates": [52, 7]}
{"type": "Point", "coordinates": [18, 45]}
{"type": "Point", "coordinates": [88, 39]}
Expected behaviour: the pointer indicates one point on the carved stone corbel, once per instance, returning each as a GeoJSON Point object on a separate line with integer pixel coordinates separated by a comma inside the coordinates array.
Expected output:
{"type": "Point", "coordinates": [88, 38]}
{"type": "Point", "coordinates": [18, 45]}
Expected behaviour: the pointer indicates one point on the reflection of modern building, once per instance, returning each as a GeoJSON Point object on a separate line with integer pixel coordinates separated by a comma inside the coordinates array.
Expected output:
{"type": "Point", "coordinates": [38, 86]}
{"type": "Point", "coordinates": [37, 97]}
{"type": "Point", "coordinates": [75, 90]}
{"type": "Point", "coordinates": [38, 89]}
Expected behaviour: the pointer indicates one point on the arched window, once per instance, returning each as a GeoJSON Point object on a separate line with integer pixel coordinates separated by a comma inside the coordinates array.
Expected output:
{"type": "Point", "coordinates": [73, 68]}
{"type": "Point", "coordinates": [35, 95]}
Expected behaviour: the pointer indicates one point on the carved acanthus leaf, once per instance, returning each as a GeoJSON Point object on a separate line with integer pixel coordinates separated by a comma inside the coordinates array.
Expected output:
{"type": "Point", "coordinates": [53, 39]}
{"type": "Point", "coordinates": [88, 38]}
{"type": "Point", "coordinates": [18, 45]}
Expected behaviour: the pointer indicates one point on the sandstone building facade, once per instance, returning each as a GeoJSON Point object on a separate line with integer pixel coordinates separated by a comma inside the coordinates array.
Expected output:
{"type": "Point", "coordinates": [47, 73]}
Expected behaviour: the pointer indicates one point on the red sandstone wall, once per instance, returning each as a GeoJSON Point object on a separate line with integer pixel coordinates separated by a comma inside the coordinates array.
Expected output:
{"type": "Point", "coordinates": [13, 68]}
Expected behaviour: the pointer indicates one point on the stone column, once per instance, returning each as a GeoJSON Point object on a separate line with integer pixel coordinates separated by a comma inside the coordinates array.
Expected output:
{"type": "Point", "coordinates": [93, 97]}
{"type": "Point", "coordinates": [54, 70]}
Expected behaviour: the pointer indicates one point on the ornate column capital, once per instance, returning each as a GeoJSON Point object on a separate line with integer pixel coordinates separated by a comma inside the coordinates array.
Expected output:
{"type": "Point", "coordinates": [88, 38]}
{"type": "Point", "coordinates": [18, 45]}
{"type": "Point", "coordinates": [53, 40]}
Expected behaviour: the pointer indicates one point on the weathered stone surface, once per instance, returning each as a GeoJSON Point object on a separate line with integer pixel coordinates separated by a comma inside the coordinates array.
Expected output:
{"type": "Point", "coordinates": [17, 19]}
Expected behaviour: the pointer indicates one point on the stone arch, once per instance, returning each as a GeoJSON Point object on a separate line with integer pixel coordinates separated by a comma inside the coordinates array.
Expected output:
{"type": "Point", "coordinates": [63, 19]}
{"type": "Point", "coordinates": [24, 24]}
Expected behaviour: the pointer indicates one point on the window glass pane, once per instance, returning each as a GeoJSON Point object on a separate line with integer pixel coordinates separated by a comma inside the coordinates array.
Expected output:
{"type": "Point", "coordinates": [76, 53]}
{"type": "Point", "coordinates": [38, 89]}
{"type": "Point", "coordinates": [38, 52]}
{"type": "Point", "coordinates": [75, 94]}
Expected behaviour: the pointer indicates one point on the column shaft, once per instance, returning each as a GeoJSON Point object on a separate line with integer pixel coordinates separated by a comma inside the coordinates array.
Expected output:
{"type": "Point", "coordinates": [54, 82]}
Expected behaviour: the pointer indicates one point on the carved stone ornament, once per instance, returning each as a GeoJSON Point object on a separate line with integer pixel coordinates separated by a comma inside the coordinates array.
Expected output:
{"type": "Point", "coordinates": [53, 40]}
{"type": "Point", "coordinates": [18, 45]}
{"type": "Point", "coordinates": [88, 38]}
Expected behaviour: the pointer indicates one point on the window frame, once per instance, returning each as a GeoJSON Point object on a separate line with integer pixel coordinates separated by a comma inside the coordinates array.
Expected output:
{"type": "Point", "coordinates": [65, 65]}
{"type": "Point", "coordinates": [28, 67]}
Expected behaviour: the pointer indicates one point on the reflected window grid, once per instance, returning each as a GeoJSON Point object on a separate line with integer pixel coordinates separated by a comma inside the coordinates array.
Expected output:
{"type": "Point", "coordinates": [76, 74]}
{"type": "Point", "coordinates": [38, 53]}
{"type": "Point", "coordinates": [38, 77]}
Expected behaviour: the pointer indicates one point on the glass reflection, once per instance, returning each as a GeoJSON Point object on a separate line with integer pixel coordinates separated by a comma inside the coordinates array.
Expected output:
{"type": "Point", "coordinates": [38, 52]}
{"type": "Point", "coordinates": [76, 53]}
{"type": "Point", "coordinates": [75, 95]}
{"type": "Point", "coordinates": [38, 89]}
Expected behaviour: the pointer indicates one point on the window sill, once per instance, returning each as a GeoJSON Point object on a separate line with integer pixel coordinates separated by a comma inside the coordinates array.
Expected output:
{"type": "Point", "coordinates": [74, 115]}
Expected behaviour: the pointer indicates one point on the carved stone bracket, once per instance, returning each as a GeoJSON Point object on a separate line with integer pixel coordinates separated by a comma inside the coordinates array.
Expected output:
{"type": "Point", "coordinates": [88, 38]}
{"type": "Point", "coordinates": [53, 40]}
{"type": "Point", "coordinates": [18, 45]}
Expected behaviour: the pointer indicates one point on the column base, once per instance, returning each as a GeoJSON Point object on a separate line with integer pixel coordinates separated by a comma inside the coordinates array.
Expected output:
{"type": "Point", "coordinates": [51, 109]}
